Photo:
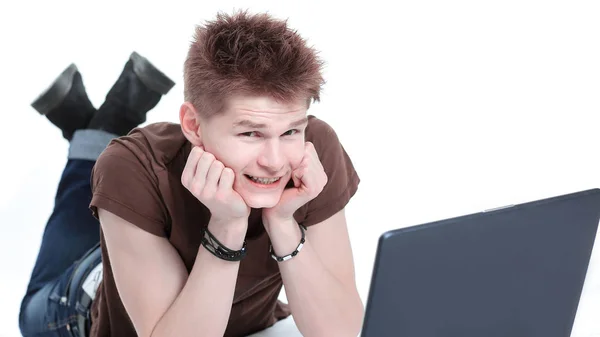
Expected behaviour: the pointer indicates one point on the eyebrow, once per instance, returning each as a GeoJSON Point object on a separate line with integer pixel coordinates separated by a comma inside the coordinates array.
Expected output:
{"type": "Point", "coordinates": [252, 125]}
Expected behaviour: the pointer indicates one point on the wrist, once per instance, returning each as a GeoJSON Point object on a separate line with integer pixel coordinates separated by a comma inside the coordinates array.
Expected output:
{"type": "Point", "coordinates": [272, 222]}
{"type": "Point", "coordinates": [285, 236]}
{"type": "Point", "coordinates": [231, 233]}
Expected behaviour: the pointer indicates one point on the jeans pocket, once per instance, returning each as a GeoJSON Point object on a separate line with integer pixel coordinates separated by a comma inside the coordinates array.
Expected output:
{"type": "Point", "coordinates": [40, 313]}
{"type": "Point", "coordinates": [61, 316]}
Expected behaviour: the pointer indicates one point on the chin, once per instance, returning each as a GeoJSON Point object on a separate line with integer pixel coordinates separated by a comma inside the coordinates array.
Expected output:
{"type": "Point", "coordinates": [261, 202]}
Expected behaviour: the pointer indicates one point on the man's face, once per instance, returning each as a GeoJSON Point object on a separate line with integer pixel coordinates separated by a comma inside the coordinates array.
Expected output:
{"type": "Point", "coordinates": [262, 140]}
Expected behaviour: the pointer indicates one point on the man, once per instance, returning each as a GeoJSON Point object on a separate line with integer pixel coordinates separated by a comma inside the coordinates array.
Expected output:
{"type": "Point", "coordinates": [204, 221]}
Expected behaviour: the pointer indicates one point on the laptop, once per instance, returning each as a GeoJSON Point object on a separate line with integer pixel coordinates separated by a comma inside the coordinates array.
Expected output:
{"type": "Point", "coordinates": [516, 271]}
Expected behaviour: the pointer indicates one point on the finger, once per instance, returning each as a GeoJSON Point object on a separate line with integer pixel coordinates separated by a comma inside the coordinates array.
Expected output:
{"type": "Point", "coordinates": [315, 178]}
{"type": "Point", "coordinates": [309, 149]}
{"type": "Point", "coordinates": [297, 180]}
{"type": "Point", "coordinates": [212, 177]}
{"type": "Point", "coordinates": [204, 164]}
{"type": "Point", "coordinates": [226, 181]}
{"type": "Point", "coordinates": [312, 179]}
{"type": "Point", "coordinates": [189, 169]}
{"type": "Point", "coordinates": [298, 176]}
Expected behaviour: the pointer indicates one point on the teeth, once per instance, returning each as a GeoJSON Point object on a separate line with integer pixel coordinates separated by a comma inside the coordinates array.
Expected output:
{"type": "Point", "coordinates": [265, 181]}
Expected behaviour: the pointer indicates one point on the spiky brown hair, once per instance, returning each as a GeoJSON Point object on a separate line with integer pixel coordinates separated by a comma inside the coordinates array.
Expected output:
{"type": "Point", "coordinates": [249, 54]}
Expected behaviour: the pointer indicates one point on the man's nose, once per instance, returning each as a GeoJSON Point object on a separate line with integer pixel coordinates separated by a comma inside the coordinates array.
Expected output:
{"type": "Point", "coordinates": [272, 157]}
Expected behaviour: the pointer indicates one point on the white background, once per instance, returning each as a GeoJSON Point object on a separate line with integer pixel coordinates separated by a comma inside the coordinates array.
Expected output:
{"type": "Point", "coordinates": [445, 107]}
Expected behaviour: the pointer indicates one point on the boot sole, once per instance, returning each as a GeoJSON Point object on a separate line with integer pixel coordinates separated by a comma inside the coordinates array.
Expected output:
{"type": "Point", "coordinates": [150, 75]}
{"type": "Point", "coordinates": [56, 92]}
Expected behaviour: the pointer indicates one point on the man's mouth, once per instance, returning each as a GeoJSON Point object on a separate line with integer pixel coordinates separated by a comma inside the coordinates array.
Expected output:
{"type": "Point", "coordinates": [263, 181]}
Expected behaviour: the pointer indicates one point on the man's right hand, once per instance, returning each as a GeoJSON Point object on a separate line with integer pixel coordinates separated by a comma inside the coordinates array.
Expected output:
{"type": "Point", "coordinates": [174, 301]}
{"type": "Point", "coordinates": [212, 183]}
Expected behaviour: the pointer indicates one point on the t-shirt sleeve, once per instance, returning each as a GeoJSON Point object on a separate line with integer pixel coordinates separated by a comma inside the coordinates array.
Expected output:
{"type": "Point", "coordinates": [342, 178]}
{"type": "Point", "coordinates": [125, 184]}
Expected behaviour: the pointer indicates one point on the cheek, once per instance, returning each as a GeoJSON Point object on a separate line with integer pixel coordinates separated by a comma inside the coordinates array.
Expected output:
{"type": "Point", "coordinates": [227, 153]}
{"type": "Point", "coordinates": [296, 154]}
{"type": "Point", "coordinates": [232, 160]}
{"type": "Point", "coordinates": [239, 158]}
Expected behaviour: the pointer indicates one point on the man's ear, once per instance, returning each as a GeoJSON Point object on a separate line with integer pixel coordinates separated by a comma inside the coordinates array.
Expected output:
{"type": "Point", "coordinates": [190, 123]}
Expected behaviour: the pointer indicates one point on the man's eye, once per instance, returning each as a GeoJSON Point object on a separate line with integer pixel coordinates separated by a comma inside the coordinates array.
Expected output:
{"type": "Point", "coordinates": [250, 134]}
{"type": "Point", "coordinates": [291, 132]}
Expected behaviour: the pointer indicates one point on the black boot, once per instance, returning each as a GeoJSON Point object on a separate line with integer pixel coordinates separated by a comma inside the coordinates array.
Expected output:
{"type": "Point", "coordinates": [65, 103]}
{"type": "Point", "coordinates": [138, 89]}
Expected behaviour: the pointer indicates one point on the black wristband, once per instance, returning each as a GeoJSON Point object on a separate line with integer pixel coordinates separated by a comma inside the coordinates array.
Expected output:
{"type": "Point", "coordinates": [216, 248]}
{"type": "Point", "coordinates": [295, 252]}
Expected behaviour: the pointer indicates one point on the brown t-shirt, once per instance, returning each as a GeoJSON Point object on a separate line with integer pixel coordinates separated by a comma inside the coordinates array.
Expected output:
{"type": "Point", "coordinates": [138, 178]}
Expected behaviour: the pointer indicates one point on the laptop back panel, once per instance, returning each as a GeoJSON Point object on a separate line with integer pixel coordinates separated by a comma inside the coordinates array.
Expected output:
{"type": "Point", "coordinates": [515, 272]}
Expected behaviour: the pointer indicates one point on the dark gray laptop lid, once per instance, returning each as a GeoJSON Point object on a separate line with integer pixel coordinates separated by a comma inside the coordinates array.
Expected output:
{"type": "Point", "coordinates": [513, 272]}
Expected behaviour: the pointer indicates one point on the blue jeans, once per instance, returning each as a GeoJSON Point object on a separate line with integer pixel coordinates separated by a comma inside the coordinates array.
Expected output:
{"type": "Point", "coordinates": [52, 305]}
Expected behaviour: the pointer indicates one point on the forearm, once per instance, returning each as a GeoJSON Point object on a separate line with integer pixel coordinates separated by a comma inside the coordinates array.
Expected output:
{"type": "Point", "coordinates": [204, 304]}
{"type": "Point", "coordinates": [321, 304]}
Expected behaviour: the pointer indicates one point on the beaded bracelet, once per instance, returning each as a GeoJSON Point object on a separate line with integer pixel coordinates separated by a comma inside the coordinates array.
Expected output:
{"type": "Point", "coordinates": [213, 245]}
{"type": "Point", "coordinates": [295, 252]}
